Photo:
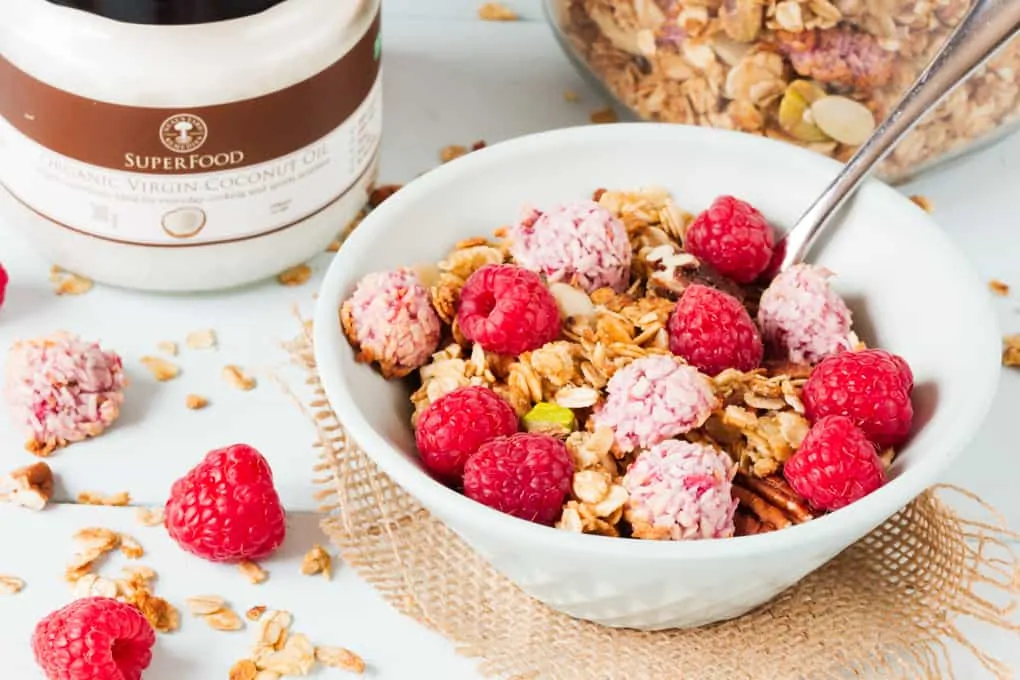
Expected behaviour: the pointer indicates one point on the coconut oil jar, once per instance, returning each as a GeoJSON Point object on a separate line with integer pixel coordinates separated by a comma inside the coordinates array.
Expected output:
{"type": "Point", "coordinates": [187, 145]}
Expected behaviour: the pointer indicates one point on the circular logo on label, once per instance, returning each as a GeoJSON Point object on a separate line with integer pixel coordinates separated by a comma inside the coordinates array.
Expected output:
{"type": "Point", "coordinates": [183, 133]}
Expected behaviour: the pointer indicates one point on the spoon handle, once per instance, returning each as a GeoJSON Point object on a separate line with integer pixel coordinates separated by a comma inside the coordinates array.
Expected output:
{"type": "Point", "coordinates": [987, 27]}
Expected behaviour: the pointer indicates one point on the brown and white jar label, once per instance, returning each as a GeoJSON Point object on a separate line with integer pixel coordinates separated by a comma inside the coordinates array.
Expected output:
{"type": "Point", "coordinates": [191, 176]}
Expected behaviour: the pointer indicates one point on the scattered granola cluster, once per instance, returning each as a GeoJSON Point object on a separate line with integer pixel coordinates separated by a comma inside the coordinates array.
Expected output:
{"type": "Point", "coordinates": [811, 72]}
{"type": "Point", "coordinates": [30, 487]}
{"type": "Point", "coordinates": [224, 510]}
{"type": "Point", "coordinates": [69, 283]}
{"type": "Point", "coordinates": [60, 390]}
{"type": "Point", "coordinates": [278, 652]}
{"type": "Point", "coordinates": [133, 588]}
{"type": "Point", "coordinates": [661, 390]}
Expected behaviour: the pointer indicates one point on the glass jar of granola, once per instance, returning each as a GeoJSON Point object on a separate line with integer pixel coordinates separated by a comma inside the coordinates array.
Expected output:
{"type": "Point", "coordinates": [818, 73]}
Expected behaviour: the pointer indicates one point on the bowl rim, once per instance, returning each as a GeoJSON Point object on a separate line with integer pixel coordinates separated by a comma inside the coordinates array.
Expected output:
{"type": "Point", "coordinates": [445, 502]}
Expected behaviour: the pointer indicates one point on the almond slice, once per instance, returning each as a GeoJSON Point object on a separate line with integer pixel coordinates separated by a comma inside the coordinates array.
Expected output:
{"type": "Point", "coordinates": [295, 276]}
{"type": "Point", "coordinates": [117, 500]}
{"type": "Point", "coordinates": [203, 605]}
{"type": "Point", "coordinates": [338, 657]}
{"type": "Point", "coordinates": [237, 378]}
{"type": "Point", "coordinates": [131, 548]}
{"type": "Point", "coordinates": [496, 11]}
{"type": "Point", "coordinates": [161, 369]}
{"type": "Point", "coordinates": [167, 347]}
{"type": "Point", "coordinates": [245, 669]}
{"type": "Point", "coordinates": [195, 402]}
{"type": "Point", "coordinates": [845, 120]}
{"type": "Point", "coordinates": [149, 517]}
{"type": "Point", "coordinates": [201, 339]}
{"type": "Point", "coordinates": [253, 572]}
{"type": "Point", "coordinates": [224, 620]}
{"type": "Point", "coordinates": [11, 585]}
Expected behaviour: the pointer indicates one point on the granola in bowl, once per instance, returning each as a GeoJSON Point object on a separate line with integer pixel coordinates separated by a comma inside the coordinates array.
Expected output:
{"type": "Point", "coordinates": [661, 391]}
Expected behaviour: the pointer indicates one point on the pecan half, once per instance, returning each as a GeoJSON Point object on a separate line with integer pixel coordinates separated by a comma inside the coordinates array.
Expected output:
{"type": "Point", "coordinates": [768, 502]}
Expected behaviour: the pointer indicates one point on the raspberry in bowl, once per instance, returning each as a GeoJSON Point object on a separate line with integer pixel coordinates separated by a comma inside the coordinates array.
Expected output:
{"type": "Point", "coordinates": [718, 427]}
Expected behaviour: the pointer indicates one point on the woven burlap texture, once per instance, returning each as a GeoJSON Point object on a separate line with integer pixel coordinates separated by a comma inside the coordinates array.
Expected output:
{"type": "Point", "coordinates": [887, 607]}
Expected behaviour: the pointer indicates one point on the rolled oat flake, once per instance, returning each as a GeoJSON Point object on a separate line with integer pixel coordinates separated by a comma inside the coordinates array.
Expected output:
{"type": "Point", "coordinates": [227, 141]}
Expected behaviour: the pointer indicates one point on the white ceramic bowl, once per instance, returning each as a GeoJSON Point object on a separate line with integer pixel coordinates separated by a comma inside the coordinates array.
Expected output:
{"type": "Point", "coordinates": [911, 290]}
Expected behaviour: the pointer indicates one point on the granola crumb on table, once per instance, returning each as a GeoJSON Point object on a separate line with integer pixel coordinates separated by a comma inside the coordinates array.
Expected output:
{"type": "Point", "coordinates": [68, 283]}
{"type": "Point", "coordinates": [496, 11]}
{"type": "Point", "coordinates": [998, 287]}
{"type": "Point", "coordinates": [119, 499]}
{"type": "Point", "coordinates": [195, 402]}
{"type": "Point", "coordinates": [201, 339]}
{"type": "Point", "coordinates": [161, 369]}
{"type": "Point", "coordinates": [30, 486]}
{"type": "Point", "coordinates": [11, 585]}
{"type": "Point", "coordinates": [1011, 350]}
{"type": "Point", "coordinates": [659, 448]}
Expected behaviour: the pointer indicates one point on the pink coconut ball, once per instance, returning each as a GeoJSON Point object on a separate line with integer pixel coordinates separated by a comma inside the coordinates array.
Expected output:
{"type": "Point", "coordinates": [652, 399]}
{"type": "Point", "coordinates": [581, 244]}
{"type": "Point", "coordinates": [390, 319]}
{"type": "Point", "coordinates": [61, 389]}
{"type": "Point", "coordinates": [801, 318]}
{"type": "Point", "coordinates": [682, 488]}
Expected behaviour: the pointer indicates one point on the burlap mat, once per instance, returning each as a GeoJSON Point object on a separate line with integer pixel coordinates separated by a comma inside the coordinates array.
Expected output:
{"type": "Point", "coordinates": [887, 607]}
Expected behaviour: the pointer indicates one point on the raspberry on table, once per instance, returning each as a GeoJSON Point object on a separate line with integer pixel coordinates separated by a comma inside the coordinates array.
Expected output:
{"type": "Point", "coordinates": [225, 509]}
{"type": "Point", "coordinates": [525, 475]}
{"type": "Point", "coordinates": [4, 280]}
{"type": "Point", "coordinates": [507, 310]}
{"type": "Point", "coordinates": [654, 398]}
{"type": "Point", "coordinates": [835, 465]}
{"type": "Point", "coordinates": [681, 491]}
{"type": "Point", "coordinates": [578, 243]}
{"type": "Point", "coordinates": [390, 320]}
{"type": "Point", "coordinates": [733, 237]}
{"type": "Point", "coordinates": [712, 331]}
{"type": "Point", "coordinates": [872, 387]}
{"type": "Point", "coordinates": [61, 389]}
{"type": "Point", "coordinates": [801, 318]}
{"type": "Point", "coordinates": [94, 638]}
{"type": "Point", "coordinates": [456, 424]}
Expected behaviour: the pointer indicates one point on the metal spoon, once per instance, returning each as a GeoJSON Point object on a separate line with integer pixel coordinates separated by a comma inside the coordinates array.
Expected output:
{"type": "Point", "coordinates": [988, 26]}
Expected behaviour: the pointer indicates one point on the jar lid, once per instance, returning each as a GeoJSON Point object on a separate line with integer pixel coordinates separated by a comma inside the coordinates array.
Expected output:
{"type": "Point", "coordinates": [169, 12]}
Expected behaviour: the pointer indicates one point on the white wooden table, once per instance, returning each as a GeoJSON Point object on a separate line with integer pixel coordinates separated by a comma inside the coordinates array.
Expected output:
{"type": "Point", "coordinates": [450, 79]}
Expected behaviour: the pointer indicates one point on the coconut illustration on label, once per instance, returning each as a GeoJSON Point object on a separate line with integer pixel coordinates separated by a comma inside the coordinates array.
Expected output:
{"type": "Point", "coordinates": [184, 222]}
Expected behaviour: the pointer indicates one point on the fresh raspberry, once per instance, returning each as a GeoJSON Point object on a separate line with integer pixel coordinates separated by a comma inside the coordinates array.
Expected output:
{"type": "Point", "coordinates": [94, 638]}
{"type": "Point", "coordinates": [872, 387]}
{"type": "Point", "coordinates": [712, 331]}
{"type": "Point", "coordinates": [3, 284]}
{"type": "Point", "coordinates": [456, 424]}
{"type": "Point", "coordinates": [835, 465]}
{"type": "Point", "coordinates": [525, 475]}
{"type": "Point", "coordinates": [225, 509]}
{"type": "Point", "coordinates": [507, 310]}
{"type": "Point", "coordinates": [733, 237]}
